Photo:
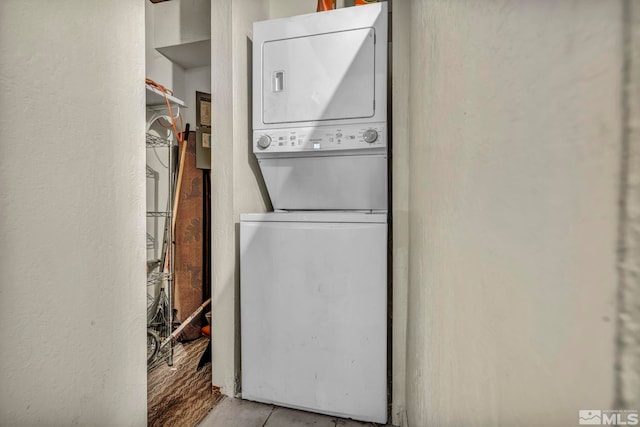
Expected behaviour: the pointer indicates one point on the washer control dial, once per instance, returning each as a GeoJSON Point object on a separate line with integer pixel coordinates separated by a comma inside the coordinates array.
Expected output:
{"type": "Point", "coordinates": [264, 141]}
{"type": "Point", "coordinates": [370, 135]}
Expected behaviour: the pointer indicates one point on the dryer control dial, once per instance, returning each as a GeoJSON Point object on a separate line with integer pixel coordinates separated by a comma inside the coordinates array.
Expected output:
{"type": "Point", "coordinates": [264, 141]}
{"type": "Point", "coordinates": [370, 135]}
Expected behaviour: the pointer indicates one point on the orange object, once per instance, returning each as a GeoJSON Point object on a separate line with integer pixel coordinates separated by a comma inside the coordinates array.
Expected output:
{"type": "Point", "coordinates": [326, 5]}
{"type": "Point", "coordinates": [206, 330]}
{"type": "Point", "coordinates": [361, 2]}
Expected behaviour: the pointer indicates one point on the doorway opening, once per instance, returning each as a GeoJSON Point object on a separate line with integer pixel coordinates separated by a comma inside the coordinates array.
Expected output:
{"type": "Point", "coordinates": [178, 224]}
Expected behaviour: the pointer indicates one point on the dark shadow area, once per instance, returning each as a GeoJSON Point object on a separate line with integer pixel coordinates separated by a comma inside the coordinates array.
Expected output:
{"type": "Point", "coordinates": [236, 314]}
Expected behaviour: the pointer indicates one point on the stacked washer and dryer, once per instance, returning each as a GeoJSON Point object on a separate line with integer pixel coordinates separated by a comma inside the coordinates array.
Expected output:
{"type": "Point", "coordinates": [313, 277]}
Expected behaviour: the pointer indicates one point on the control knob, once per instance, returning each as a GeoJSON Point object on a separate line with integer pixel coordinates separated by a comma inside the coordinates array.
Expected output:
{"type": "Point", "coordinates": [264, 141]}
{"type": "Point", "coordinates": [370, 135]}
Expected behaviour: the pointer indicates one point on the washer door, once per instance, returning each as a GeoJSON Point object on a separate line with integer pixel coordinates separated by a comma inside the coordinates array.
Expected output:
{"type": "Point", "coordinates": [319, 77]}
{"type": "Point", "coordinates": [313, 301]}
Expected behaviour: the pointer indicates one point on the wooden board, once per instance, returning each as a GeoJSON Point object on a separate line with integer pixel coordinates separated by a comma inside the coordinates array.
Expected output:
{"type": "Point", "coordinates": [189, 243]}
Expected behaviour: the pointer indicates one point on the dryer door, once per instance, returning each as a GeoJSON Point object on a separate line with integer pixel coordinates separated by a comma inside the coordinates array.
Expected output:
{"type": "Point", "coordinates": [319, 77]}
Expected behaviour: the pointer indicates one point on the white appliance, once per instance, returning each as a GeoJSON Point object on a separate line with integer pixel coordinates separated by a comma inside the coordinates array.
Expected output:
{"type": "Point", "coordinates": [314, 312]}
{"type": "Point", "coordinates": [320, 108]}
{"type": "Point", "coordinates": [313, 274]}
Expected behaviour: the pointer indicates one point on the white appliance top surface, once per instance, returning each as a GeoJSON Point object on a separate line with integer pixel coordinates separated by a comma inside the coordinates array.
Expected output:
{"type": "Point", "coordinates": [315, 216]}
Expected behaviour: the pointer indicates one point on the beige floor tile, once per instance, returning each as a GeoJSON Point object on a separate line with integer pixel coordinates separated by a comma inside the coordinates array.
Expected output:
{"type": "Point", "coordinates": [284, 417]}
{"type": "Point", "coordinates": [237, 413]}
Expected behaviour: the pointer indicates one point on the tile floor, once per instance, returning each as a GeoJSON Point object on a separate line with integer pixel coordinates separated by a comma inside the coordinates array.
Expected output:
{"type": "Point", "coordinates": [243, 413]}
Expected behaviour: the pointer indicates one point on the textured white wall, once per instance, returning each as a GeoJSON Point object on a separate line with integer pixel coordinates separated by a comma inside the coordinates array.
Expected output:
{"type": "Point", "coordinates": [629, 266]}
{"type": "Point", "coordinates": [400, 57]}
{"type": "Point", "coordinates": [181, 21]}
{"type": "Point", "coordinates": [285, 8]}
{"type": "Point", "coordinates": [235, 179]}
{"type": "Point", "coordinates": [195, 80]}
{"type": "Point", "coordinates": [223, 291]}
{"type": "Point", "coordinates": [515, 148]}
{"type": "Point", "coordinates": [72, 295]}
{"type": "Point", "coordinates": [158, 67]}
{"type": "Point", "coordinates": [249, 192]}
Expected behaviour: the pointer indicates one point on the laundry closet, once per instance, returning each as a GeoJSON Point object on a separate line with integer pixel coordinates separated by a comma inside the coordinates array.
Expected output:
{"type": "Point", "coordinates": [307, 222]}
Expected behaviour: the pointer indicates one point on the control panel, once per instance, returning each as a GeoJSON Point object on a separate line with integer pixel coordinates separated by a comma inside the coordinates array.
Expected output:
{"type": "Point", "coordinates": [320, 138]}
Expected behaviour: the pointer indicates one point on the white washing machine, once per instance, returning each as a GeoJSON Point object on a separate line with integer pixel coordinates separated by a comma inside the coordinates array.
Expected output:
{"type": "Point", "coordinates": [314, 312]}
{"type": "Point", "coordinates": [313, 275]}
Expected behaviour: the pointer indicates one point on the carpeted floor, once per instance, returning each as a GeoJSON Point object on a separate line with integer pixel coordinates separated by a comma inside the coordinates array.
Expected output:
{"type": "Point", "coordinates": [179, 396]}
